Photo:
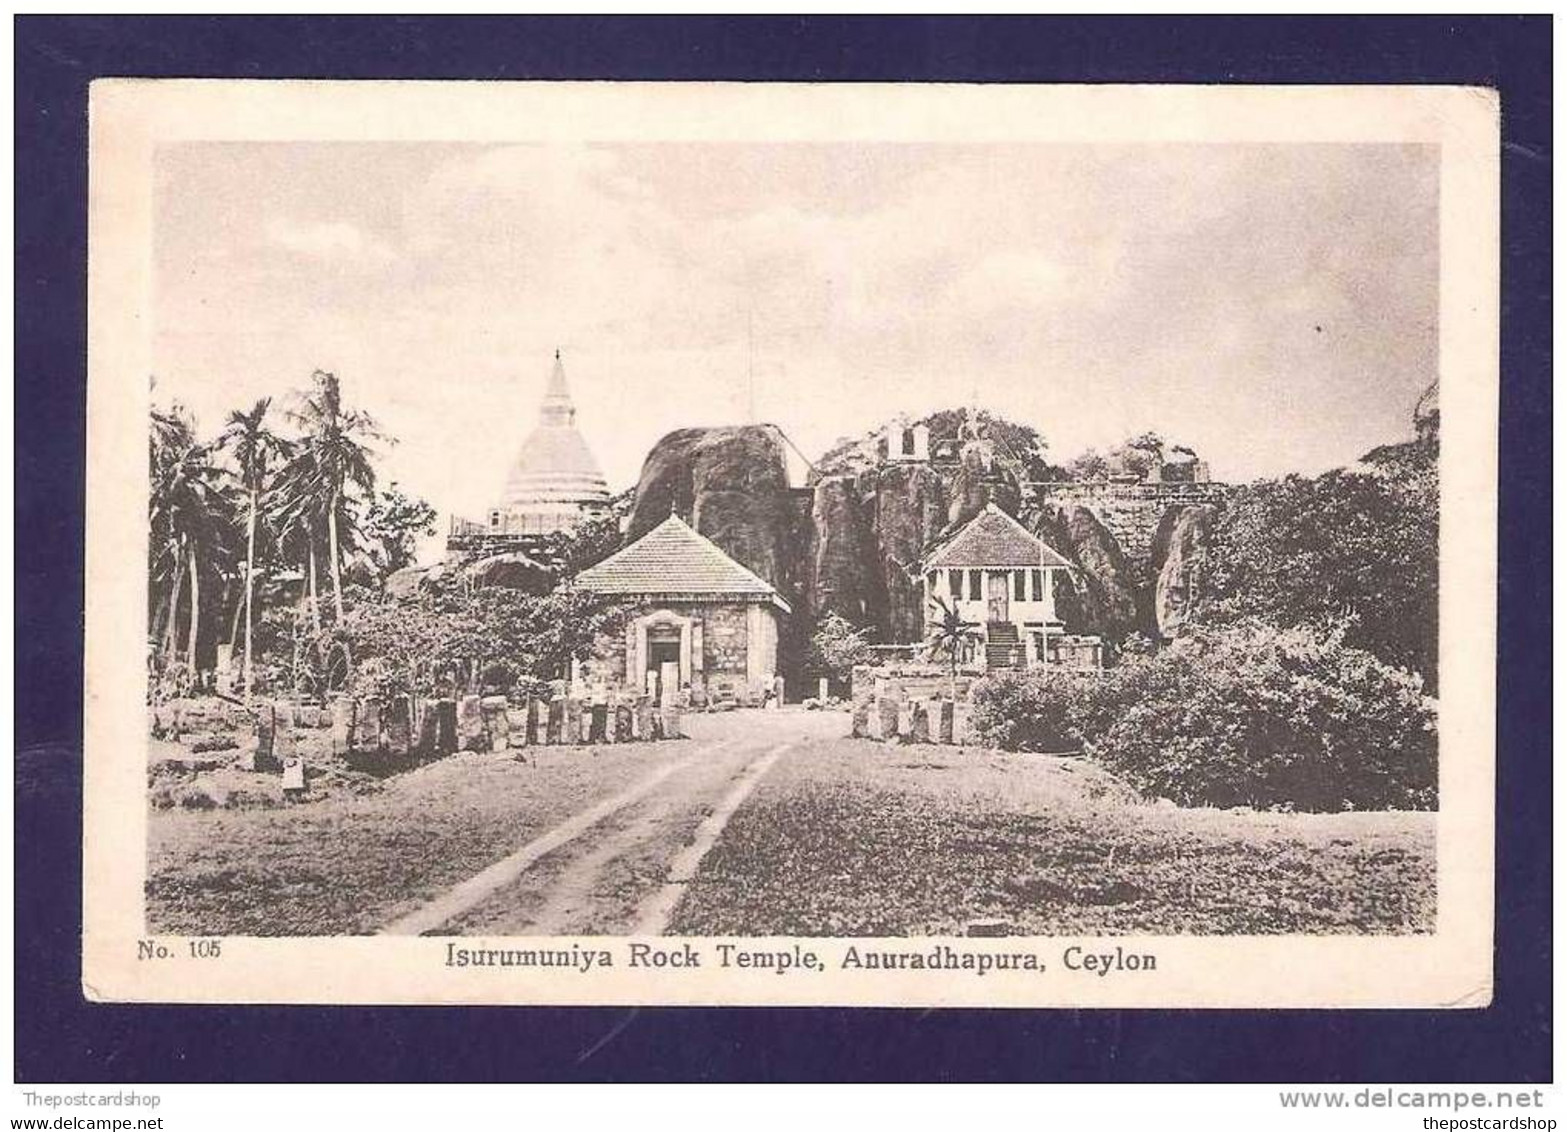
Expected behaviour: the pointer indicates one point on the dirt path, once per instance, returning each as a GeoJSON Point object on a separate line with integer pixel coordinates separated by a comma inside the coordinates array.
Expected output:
{"type": "Point", "coordinates": [621, 867]}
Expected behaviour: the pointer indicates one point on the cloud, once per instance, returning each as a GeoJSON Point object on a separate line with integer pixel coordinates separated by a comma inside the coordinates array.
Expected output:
{"type": "Point", "coordinates": [332, 240]}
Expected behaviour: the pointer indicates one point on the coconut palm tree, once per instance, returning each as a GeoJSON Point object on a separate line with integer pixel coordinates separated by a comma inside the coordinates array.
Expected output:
{"type": "Point", "coordinates": [294, 514]}
{"type": "Point", "coordinates": [951, 636]}
{"type": "Point", "coordinates": [335, 443]}
{"type": "Point", "coordinates": [256, 450]}
{"type": "Point", "coordinates": [189, 513]}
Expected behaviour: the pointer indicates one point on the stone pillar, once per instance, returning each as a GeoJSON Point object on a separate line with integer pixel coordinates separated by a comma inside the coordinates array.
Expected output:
{"type": "Point", "coordinates": [342, 723]}
{"type": "Point", "coordinates": [470, 724]}
{"type": "Point", "coordinates": [367, 729]}
{"type": "Point", "coordinates": [429, 732]}
{"type": "Point", "coordinates": [668, 683]}
{"type": "Point", "coordinates": [945, 712]}
{"type": "Point", "coordinates": [571, 722]}
{"type": "Point", "coordinates": [395, 727]}
{"type": "Point", "coordinates": [823, 689]}
{"type": "Point", "coordinates": [623, 722]}
{"type": "Point", "coordinates": [886, 717]}
{"type": "Point", "coordinates": [555, 720]}
{"type": "Point", "coordinates": [445, 712]}
{"type": "Point", "coordinates": [294, 781]}
{"type": "Point", "coordinates": [919, 723]}
{"type": "Point", "coordinates": [671, 722]}
{"type": "Point", "coordinates": [284, 742]}
{"type": "Point", "coordinates": [497, 727]}
{"type": "Point", "coordinates": [778, 691]}
{"type": "Point", "coordinates": [531, 722]}
{"type": "Point", "coordinates": [861, 725]}
{"type": "Point", "coordinates": [266, 731]}
{"type": "Point", "coordinates": [644, 719]}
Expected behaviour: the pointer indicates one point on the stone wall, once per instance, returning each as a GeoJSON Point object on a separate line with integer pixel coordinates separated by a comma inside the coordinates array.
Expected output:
{"type": "Point", "coordinates": [723, 639]}
{"type": "Point", "coordinates": [1131, 512]}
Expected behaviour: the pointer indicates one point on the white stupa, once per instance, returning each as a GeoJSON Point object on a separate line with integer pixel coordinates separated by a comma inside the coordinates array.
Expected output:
{"type": "Point", "coordinates": [555, 483]}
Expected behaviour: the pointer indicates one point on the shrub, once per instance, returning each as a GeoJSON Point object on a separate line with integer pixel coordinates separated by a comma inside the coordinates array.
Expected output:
{"type": "Point", "coordinates": [1249, 715]}
{"type": "Point", "coordinates": [1047, 709]}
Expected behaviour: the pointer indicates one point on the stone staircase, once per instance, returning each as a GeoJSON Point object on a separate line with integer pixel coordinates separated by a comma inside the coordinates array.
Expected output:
{"type": "Point", "coordinates": [1002, 647]}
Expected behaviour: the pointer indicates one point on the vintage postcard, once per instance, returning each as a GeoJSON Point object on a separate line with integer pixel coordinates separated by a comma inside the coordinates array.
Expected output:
{"type": "Point", "coordinates": [899, 545]}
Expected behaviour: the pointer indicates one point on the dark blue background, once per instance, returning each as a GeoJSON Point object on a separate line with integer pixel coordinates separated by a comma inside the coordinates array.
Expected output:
{"type": "Point", "coordinates": [60, 1037]}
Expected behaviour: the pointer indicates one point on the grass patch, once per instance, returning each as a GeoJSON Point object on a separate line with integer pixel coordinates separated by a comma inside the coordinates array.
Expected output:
{"type": "Point", "coordinates": [348, 864]}
{"type": "Point", "coordinates": [854, 838]}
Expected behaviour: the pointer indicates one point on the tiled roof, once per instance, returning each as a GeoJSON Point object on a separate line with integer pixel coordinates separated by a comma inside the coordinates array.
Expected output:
{"type": "Point", "coordinates": [674, 559]}
{"type": "Point", "coordinates": [993, 538]}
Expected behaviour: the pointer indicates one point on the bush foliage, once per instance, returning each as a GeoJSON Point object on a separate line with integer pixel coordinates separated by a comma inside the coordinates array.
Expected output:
{"type": "Point", "coordinates": [451, 638]}
{"type": "Point", "coordinates": [1246, 715]}
{"type": "Point", "coordinates": [1354, 546]}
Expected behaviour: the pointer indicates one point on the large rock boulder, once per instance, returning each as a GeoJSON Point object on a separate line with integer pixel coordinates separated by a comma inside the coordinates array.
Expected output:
{"type": "Point", "coordinates": [730, 484]}
{"type": "Point", "coordinates": [1180, 562]}
{"type": "Point", "coordinates": [907, 508]}
{"type": "Point", "coordinates": [516, 570]}
{"type": "Point", "coordinates": [841, 553]}
{"type": "Point", "coordinates": [1104, 594]}
{"type": "Point", "coordinates": [984, 476]}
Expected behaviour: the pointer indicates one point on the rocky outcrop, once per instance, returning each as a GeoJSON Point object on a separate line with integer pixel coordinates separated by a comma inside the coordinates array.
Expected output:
{"type": "Point", "coordinates": [983, 476]}
{"type": "Point", "coordinates": [906, 505]}
{"type": "Point", "coordinates": [1181, 548]}
{"type": "Point", "coordinates": [850, 544]}
{"type": "Point", "coordinates": [514, 570]}
{"type": "Point", "coordinates": [840, 553]}
{"type": "Point", "coordinates": [730, 484]}
{"type": "Point", "coordinates": [1104, 594]}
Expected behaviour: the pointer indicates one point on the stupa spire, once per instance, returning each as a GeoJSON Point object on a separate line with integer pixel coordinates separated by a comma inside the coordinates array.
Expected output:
{"type": "Point", "coordinates": [557, 407]}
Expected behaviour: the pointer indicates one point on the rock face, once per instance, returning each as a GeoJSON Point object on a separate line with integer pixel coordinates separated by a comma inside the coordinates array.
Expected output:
{"type": "Point", "coordinates": [732, 485]}
{"type": "Point", "coordinates": [1181, 548]}
{"type": "Point", "coordinates": [983, 476]}
{"type": "Point", "coordinates": [840, 551]}
{"type": "Point", "coordinates": [907, 508]}
{"type": "Point", "coordinates": [850, 544]}
{"type": "Point", "coordinates": [1105, 597]}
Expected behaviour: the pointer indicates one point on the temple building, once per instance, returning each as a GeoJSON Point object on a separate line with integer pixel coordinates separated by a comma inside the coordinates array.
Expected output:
{"type": "Point", "coordinates": [703, 622]}
{"type": "Point", "coordinates": [1001, 578]}
{"type": "Point", "coordinates": [554, 484]}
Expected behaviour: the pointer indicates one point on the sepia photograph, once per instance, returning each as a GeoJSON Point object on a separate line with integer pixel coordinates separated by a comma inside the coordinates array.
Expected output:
{"type": "Point", "coordinates": [900, 553]}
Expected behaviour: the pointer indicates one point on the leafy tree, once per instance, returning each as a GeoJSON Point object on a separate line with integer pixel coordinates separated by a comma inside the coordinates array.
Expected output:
{"type": "Point", "coordinates": [336, 461]}
{"type": "Point", "coordinates": [1020, 444]}
{"type": "Point", "coordinates": [393, 523]}
{"type": "Point", "coordinates": [586, 545]}
{"type": "Point", "coordinates": [190, 513]}
{"type": "Point", "coordinates": [256, 450]}
{"type": "Point", "coordinates": [1354, 546]}
{"type": "Point", "coordinates": [449, 635]}
{"type": "Point", "coordinates": [838, 646]}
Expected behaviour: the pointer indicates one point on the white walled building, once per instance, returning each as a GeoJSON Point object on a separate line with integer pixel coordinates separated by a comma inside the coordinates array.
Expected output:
{"type": "Point", "coordinates": [998, 575]}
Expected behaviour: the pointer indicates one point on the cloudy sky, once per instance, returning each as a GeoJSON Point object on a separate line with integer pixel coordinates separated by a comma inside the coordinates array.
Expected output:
{"type": "Point", "coordinates": [1272, 306]}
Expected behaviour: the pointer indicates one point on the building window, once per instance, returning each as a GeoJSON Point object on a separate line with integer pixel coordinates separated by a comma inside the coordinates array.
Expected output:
{"type": "Point", "coordinates": [976, 585]}
{"type": "Point", "coordinates": [1039, 584]}
{"type": "Point", "coordinates": [955, 583]}
{"type": "Point", "coordinates": [495, 518]}
{"type": "Point", "coordinates": [908, 442]}
{"type": "Point", "coordinates": [1017, 586]}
